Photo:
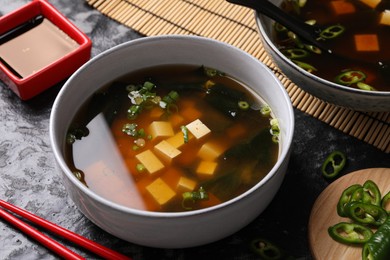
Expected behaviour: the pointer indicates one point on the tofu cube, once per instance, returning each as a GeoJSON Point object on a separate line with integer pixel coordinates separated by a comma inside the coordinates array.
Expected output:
{"type": "Point", "coordinates": [385, 18]}
{"type": "Point", "coordinates": [160, 191]}
{"type": "Point", "coordinates": [366, 42]}
{"type": "Point", "coordinates": [166, 151]}
{"type": "Point", "coordinates": [342, 7]}
{"type": "Point", "coordinates": [186, 184]}
{"type": "Point", "coordinates": [160, 129]}
{"type": "Point", "coordinates": [371, 3]}
{"type": "Point", "coordinates": [206, 168]}
{"type": "Point", "coordinates": [198, 129]}
{"type": "Point", "coordinates": [150, 161]}
{"type": "Point", "coordinates": [210, 151]}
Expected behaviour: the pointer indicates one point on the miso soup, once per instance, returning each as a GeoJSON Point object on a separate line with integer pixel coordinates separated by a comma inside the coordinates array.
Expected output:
{"type": "Point", "coordinates": [358, 30]}
{"type": "Point", "coordinates": [173, 138]}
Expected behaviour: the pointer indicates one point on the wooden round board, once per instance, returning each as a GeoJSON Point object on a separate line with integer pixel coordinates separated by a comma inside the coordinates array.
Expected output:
{"type": "Point", "coordinates": [324, 214]}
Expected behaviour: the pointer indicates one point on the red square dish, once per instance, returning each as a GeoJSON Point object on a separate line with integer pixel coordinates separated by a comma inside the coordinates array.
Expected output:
{"type": "Point", "coordinates": [39, 47]}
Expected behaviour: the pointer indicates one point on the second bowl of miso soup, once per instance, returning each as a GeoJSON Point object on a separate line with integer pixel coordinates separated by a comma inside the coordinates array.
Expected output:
{"type": "Point", "coordinates": [196, 132]}
{"type": "Point", "coordinates": [356, 74]}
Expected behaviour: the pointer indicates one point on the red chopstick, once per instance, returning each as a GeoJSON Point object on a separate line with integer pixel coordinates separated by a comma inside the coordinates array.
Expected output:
{"type": "Point", "coordinates": [50, 243]}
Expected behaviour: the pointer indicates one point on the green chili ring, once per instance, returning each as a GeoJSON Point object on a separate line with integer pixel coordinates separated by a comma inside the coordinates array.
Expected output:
{"type": "Point", "coordinates": [371, 193]}
{"type": "Point", "coordinates": [332, 31]}
{"type": "Point", "coordinates": [350, 233]}
{"type": "Point", "coordinates": [336, 160]}
{"type": "Point", "coordinates": [350, 77]}
{"type": "Point", "coordinates": [304, 65]}
{"type": "Point", "coordinates": [366, 214]}
{"type": "Point", "coordinates": [295, 53]}
{"type": "Point", "coordinates": [345, 198]}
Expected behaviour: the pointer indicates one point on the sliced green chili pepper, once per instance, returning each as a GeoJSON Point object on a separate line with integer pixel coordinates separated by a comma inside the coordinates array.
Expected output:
{"type": "Point", "coordinates": [295, 53]}
{"type": "Point", "coordinates": [345, 198]}
{"type": "Point", "coordinates": [350, 233]}
{"type": "Point", "coordinates": [313, 49]}
{"type": "Point", "coordinates": [378, 247]}
{"type": "Point", "coordinates": [279, 28]}
{"type": "Point", "coordinates": [364, 86]}
{"type": "Point", "coordinates": [371, 193]}
{"type": "Point", "coordinates": [350, 77]}
{"type": "Point", "coordinates": [294, 37]}
{"type": "Point", "coordinates": [268, 250]}
{"type": "Point", "coordinates": [359, 196]}
{"type": "Point", "coordinates": [304, 65]}
{"type": "Point", "coordinates": [385, 202]}
{"type": "Point", "coordinates": [333, 164]}
{"type": "Point", "coordinates": [364, 213]}
{"type": "Point", "coordinates": [332, 31]}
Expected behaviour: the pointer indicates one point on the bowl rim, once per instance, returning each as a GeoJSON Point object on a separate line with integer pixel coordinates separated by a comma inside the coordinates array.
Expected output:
{"type": "Point", "coordinates": [57, 146]}
{"type": "Point", "coordinates": [259, 18]}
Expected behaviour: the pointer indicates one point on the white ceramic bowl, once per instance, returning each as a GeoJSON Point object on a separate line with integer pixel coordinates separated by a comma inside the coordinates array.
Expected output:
{"type": "Point", "coordinates": [172, 230]}
{"type": "Point", "coordinates": [326, 90]}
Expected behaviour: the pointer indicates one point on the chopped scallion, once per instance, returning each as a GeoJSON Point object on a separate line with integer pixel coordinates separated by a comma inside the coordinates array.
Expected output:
{"type": "Point", "coordinates": [243, 105]}
{"type": "Point", "coordinates": [140, 167]}
{"type": "Point", "coordinates": [184, 130]}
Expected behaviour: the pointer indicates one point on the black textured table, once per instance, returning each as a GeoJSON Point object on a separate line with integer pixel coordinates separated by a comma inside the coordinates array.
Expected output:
{"type": "Point", "coordinates": [30, 179]}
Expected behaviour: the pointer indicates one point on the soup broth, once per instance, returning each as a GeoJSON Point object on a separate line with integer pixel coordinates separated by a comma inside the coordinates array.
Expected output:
{"type": "Point", "coordinates": [173, 138]}
{"type": "Point", "coordinates": [366, 37]}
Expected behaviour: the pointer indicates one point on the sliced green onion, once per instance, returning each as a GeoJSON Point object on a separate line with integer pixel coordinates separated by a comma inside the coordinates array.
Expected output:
{"type": "Point", "coordinates": [275, 130]}
{"type": "Point", "coordinates": [130, 129]}
{"type": "Point", "coordinates": [140, 167]}
{"type": "Point", "coordinates": [194, 196]}
{"type": "Point", "coordinates": [265, 110]}
{"type": "Point", "coordinates": [133, 111]}
{"type": "Point", "coordinates": [243, 105]}
{"type": "Point", "coordinates": [184, 130]}
{"type": "Point", "coordinates": [210, 72]}
{"type": "Point", "coordinates": [147, 86]}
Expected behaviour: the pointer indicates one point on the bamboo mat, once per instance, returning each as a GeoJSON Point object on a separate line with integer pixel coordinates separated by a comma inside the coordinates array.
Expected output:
{"type": "Point", "coordinates": [235, 25]}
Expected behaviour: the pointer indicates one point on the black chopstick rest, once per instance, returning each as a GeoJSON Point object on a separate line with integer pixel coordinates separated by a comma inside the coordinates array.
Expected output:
{"type": "Point", "coordinates": [20, 29]}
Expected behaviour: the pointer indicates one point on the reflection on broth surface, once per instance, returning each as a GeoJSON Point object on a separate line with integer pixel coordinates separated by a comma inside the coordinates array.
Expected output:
{"type": "Point", "coordinates": [173, 138]}
{"type": "Point", "coordinates": [362, 48]}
